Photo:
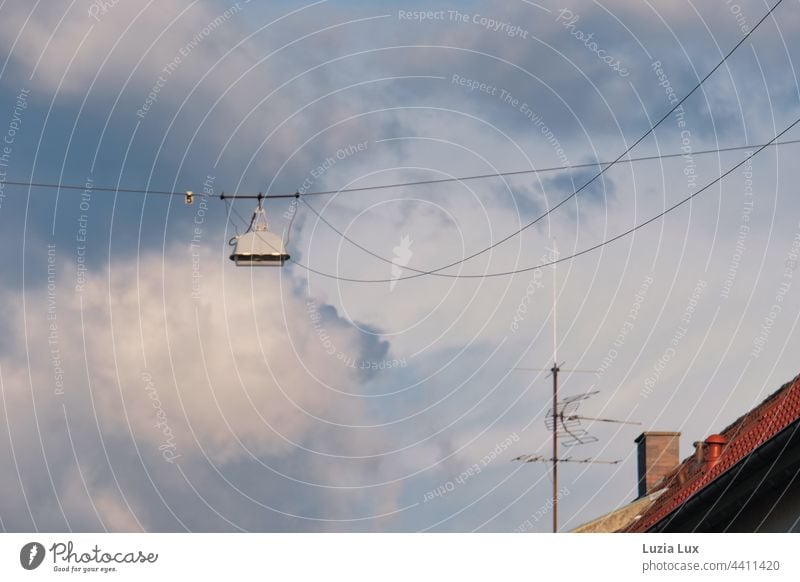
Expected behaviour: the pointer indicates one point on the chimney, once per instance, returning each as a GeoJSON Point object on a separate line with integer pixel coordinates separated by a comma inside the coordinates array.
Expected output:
{"type": "Point", "coordinates": [658, 453]}
{"type": "Point", "coordinates": [714, 446]}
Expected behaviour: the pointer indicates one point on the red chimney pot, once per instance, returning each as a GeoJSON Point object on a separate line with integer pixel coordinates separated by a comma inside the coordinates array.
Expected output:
{"type": "Point", "coordinates": [714, 445]}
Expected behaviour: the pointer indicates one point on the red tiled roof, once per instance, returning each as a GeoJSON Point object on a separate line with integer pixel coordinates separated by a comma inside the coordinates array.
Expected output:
{"type": "Point", "coordinates": [743, 437]}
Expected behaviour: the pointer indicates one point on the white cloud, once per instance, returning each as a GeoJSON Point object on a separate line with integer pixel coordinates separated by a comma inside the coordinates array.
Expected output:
{"type": "Point", "coordinates": [238, 376]}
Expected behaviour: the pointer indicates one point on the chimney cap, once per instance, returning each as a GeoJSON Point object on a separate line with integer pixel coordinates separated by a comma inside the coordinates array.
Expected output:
{"type": "Point", "coordinates": [656, 433]}
{"type": "Point", "coordinates": [716, 439]}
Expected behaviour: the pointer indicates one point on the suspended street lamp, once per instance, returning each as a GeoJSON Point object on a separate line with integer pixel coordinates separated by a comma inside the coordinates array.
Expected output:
{"type": "Point", "coordinates": [258, 247]}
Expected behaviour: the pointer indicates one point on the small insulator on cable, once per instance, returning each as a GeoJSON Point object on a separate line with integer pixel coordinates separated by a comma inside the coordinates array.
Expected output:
{"type": "Point", "coordinates": [189, 198]}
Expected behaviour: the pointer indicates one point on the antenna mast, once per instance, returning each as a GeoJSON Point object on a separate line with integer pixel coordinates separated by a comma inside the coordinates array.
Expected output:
{"type": "Point", "coordinates": [555, 371]}
{"type": "Point", "coordinates": [563, 419]}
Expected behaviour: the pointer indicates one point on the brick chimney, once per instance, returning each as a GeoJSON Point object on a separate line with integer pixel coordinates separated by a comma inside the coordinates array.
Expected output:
{"type": "Point", "coordinates": [658, 453]}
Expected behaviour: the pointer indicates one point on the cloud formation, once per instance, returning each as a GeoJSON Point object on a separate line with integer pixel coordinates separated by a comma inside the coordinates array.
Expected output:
{"type": "Point", "coordinates": [178, 392]}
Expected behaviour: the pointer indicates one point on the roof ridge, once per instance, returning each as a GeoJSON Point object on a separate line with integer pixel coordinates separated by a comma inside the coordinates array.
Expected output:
{"type": "Point", "coordinates": [744, 435]}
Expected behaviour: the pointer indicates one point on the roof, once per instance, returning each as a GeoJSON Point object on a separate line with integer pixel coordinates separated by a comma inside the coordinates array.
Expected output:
{"type": "Point", "coordinates": [618, 518]}
{"type": "Point", "coordinates": [747, 434]}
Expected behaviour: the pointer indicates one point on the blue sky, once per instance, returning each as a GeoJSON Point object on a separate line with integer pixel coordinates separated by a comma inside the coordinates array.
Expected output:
{"type": "Point", "coordinates": [163, 389]}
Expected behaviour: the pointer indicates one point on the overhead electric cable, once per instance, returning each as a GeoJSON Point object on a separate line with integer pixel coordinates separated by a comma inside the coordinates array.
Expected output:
{"type": "Point", "coordinates": [58, 186]}
{"type": "Point", "coordinates": [182, 193]}
{"type": "Point", "coordinates": [572, 256]}
{"type": "Point", "coordinates": [602, 171]}
{"type": "Point", "coordinates": [506, 174]}
{"type": "Point", "coordinates": [438, 274]}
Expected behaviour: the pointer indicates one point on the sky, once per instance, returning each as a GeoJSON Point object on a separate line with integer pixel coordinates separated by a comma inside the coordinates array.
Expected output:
{"type": "Point", "coordinates": [149, 384]}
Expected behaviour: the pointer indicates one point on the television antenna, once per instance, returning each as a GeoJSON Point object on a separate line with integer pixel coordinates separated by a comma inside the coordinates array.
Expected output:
{"type": "Point", "coordinates": [563, 419]}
